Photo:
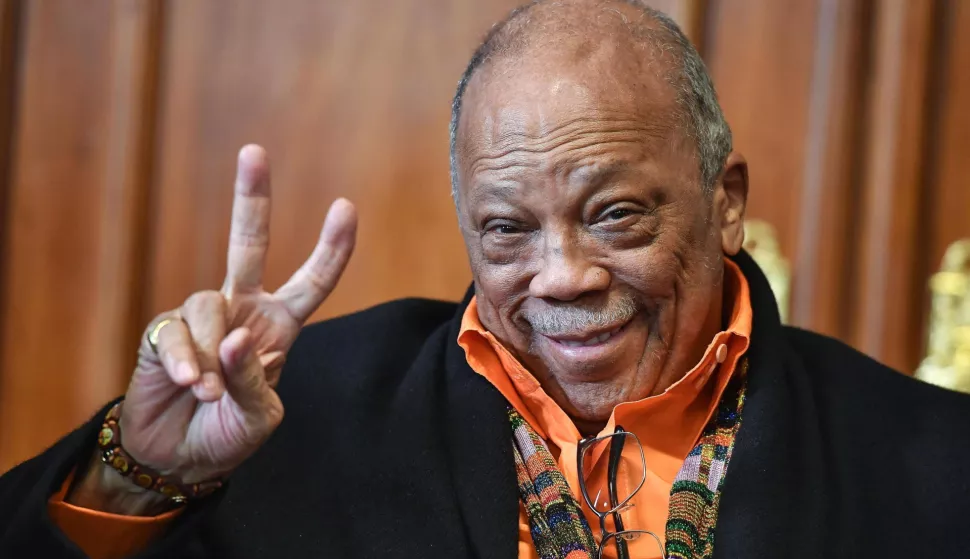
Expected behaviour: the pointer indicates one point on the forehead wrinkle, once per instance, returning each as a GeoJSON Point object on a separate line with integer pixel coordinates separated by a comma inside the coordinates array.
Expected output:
{"type": "Point", "coordinates": [501, 162]}
{"type": "Point", "coordinates": [616, 120]}
{"type": "Point", "coordinates": [575, 150]}
{"type": "Point", "coordinates": [576, 133]}
{"type": "Point", "coordinates": [574, 143]}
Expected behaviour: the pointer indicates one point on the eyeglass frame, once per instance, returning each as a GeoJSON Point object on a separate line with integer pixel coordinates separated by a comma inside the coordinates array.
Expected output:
{"type": "Point", "coordinates": [616, 451]}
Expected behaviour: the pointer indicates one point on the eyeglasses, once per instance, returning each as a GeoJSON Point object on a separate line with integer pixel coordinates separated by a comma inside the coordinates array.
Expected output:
{"type": "Point", "coordinates": [615, 506]}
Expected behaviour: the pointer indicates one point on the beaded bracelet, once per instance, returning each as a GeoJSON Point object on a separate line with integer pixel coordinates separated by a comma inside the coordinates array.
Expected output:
{"type": "Point", "coordinates": [112, 454]}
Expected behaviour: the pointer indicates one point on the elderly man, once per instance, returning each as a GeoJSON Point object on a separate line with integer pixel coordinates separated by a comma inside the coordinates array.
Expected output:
{"type": "Point", "coordinates": [616, 382]}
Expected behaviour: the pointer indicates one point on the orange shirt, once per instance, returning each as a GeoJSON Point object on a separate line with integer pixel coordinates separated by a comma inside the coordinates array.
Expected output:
{"type": "Point", "coordinates": [668, 425]}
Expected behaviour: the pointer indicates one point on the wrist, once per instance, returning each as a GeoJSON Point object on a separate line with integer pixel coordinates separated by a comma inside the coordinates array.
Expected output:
{"type": "Point", "coordinates": [118, 459]}
{"type": "Point", "coordinates": [103, 489]}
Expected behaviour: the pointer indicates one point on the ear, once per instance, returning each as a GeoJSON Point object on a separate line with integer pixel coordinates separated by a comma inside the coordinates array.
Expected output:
{"type": "Point", "coordinates": [730, 199]}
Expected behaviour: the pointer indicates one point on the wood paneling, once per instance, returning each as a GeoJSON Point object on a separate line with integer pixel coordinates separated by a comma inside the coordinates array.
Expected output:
{"type": "Point", "coordinates": [74, 199]}
{"type": "Point", "coordinates": [10, 11]}
{"type": "Point", "coordinates": [949, 215]}
{"type": "Point", "coordinates": [888, 294]}
{"type": "Point", "coordinates": [828, 199]}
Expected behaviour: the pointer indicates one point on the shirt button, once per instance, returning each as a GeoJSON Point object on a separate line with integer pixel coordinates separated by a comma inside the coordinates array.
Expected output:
{"type": "Point", "coordinates": [721, 353]}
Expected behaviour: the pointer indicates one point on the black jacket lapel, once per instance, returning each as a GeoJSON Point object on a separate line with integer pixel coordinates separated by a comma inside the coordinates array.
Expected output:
{"type": "Point", "coordinates": [479, 439]}
{"type": "Point", "coordinates": [774, 495]}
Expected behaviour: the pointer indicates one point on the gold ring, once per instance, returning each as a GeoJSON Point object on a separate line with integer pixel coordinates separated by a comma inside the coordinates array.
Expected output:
{"type": "Point", "coordinates": [153, 334]}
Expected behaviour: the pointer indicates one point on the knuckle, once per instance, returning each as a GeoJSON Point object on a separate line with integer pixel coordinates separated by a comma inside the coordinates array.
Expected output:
{"type": "Point", "coordinates": [205, 318]}
{"type": "Point", "coordinates": [249, 239]}
{"type": "Point", "coordinates": [202, 301]}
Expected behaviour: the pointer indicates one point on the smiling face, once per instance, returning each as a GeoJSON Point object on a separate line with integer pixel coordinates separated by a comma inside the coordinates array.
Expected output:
{"type": "Point", "coordinates": [596, 254]}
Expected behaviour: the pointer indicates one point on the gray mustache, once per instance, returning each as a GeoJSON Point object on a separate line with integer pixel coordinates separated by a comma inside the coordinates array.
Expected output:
{"type": "Point", "coordinates": [553, 321]}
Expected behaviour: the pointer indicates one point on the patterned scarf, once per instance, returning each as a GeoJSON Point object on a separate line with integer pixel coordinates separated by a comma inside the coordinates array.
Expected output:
{"type": "Point", "coordinates": [559, 528]}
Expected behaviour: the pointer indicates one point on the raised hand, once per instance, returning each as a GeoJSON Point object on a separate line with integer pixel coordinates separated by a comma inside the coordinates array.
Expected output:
{"type": "Point", "coordinates": [202, 398]}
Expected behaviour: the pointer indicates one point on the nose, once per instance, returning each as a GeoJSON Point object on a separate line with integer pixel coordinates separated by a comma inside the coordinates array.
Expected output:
{"type": "Point", "coordinates": [566, 272]}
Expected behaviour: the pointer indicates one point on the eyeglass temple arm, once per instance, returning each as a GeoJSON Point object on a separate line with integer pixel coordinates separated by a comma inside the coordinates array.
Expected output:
{"type": "Point", "coordinates": [616, 451]}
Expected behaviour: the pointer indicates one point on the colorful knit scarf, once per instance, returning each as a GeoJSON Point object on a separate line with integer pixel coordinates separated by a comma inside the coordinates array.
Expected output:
{"type": "Point", "coordinates": [559, 529]}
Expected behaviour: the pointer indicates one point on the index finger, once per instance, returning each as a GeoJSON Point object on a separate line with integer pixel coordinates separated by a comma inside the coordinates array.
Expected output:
{"type": "Point", "coordinates": [249, 229]}
{"type": "Point", "coordinates": [314, 281]}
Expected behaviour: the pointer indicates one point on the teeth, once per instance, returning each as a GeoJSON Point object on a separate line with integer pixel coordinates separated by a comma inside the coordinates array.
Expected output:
{"type": "Point", "coordinates": [592, 341]}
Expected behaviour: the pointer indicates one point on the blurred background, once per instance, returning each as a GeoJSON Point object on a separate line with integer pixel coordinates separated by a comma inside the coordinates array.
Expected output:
{"type": "Point", "coordinates": [120, 121]}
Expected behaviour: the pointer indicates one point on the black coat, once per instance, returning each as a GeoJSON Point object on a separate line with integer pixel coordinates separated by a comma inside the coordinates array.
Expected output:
{"type": "Point", "coordinates": [393, 447]}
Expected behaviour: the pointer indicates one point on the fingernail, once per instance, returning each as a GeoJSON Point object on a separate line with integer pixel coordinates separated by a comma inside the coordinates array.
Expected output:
{"type": "Point", "coordinates": [185, 372]}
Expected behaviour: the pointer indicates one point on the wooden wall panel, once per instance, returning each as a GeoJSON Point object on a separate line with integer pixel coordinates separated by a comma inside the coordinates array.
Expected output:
{"type": "Point", "coordinates": [949, 214]}
{"type": "Point", "coordinates": [74, 198]}
{"type": "Point", "coordinates": [888, 292]}
{"type": "Point", "coordinates": [10, 11]}
{"type": "Point", "coordinates": [827, 203]}
{"type": "Point", "coordinates": [10, 15]}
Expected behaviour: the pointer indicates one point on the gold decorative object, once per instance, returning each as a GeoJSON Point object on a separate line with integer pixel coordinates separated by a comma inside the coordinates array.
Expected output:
{"type": "Point", "coordinates": [761, 242]}
{"type": "Point", "coordinates": [947, 362]}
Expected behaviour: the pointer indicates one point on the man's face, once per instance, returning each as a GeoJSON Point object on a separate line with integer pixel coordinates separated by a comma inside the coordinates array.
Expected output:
{"type": "Point", "coordinates": [595, 252]}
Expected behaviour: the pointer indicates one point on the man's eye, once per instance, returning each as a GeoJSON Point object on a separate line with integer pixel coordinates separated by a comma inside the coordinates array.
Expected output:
{"type": "Point", "coordinates": [618, 214]}
{"type": "Point", "coordinates": [502, 228]}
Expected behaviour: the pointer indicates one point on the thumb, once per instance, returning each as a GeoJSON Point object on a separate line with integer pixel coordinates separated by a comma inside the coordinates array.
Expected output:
{"type": "Point", "coordinates": [244, 376]}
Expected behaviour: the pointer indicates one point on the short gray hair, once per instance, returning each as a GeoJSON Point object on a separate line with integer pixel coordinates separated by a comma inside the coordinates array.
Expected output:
{"type": "Point", "coordinates": [703, 118]}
